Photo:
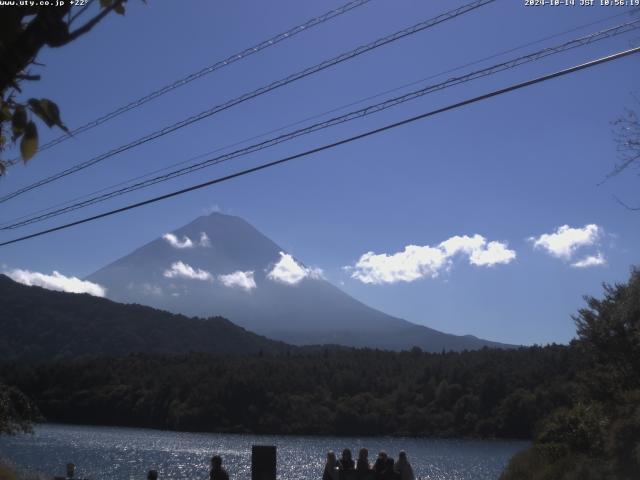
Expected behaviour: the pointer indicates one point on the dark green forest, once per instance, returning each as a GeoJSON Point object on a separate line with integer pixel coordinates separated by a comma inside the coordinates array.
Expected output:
{"type": "Point", "coordinates": [39, 324]}
{"type": "Point", "coordinates": [487, 393]}
{"type": "Point", "coordinates": [597, 436]}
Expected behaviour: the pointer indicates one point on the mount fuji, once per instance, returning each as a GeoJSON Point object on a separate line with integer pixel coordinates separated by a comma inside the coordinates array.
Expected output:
{"type": "Point", "coordinates": [221, 265]}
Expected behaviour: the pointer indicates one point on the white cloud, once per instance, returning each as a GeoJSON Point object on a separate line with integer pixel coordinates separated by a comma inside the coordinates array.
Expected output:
{"type": "Point", "coordinates": [416, 262]}
{"type": "Point", "coordinates": [493, 254]}
{"type": "Point", "coordinates": [57, 281]}
{"type": "Point", "coordinates": [412, 263]}
{"type": "Point", "coordinates": [462, 244]}
{"type": "Point", "coordinates": [176, 242]}
{"type": "Point", "coordinates": [564, 242]}
{"type": "Point", "coordinates": [204, 240]}
{"type": "Point", "coordinates": [290, 272]}
{"type": "Point", "coordinates": [590, 261]}
{"type": "Point", "coordinates": [240, 279]}
{"type": "Point", "coordinates": [183, 270]}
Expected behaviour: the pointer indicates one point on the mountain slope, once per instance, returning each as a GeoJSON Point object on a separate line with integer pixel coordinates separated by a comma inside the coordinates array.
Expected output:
{"type": "Point", "coordinates": [311, 311]}
{"type": "Point", "coordinates": [39, 324]}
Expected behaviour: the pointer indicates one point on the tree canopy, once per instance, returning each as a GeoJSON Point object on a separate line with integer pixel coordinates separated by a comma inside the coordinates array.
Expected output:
{"type": "Point", "coordinates": [598, 435]}
{"type": "Point", "coordinates": [17, 412]}
{"type": "Point", "coordinates": [484, 393]}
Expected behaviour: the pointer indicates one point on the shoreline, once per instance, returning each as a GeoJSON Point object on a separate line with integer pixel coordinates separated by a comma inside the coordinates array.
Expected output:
{"type": "Point", "coordinates": [286, 435]}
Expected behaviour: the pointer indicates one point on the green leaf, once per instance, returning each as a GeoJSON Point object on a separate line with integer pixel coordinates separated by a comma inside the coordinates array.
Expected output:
{"type": "Point", "coordinates": [54, 112]}
{"type": "Point", "coordinates": [106, 3]}
{"type": "Point", "coordinates": [37, 108]}
{"type": "Point", "coordinates": [19, 121]}
{"type": "Point", "coordinates": [29, 143]}
{"type": "Point", "coordinates": [48, 111]}
{"type": "Point", "coordinates": [119, 9]}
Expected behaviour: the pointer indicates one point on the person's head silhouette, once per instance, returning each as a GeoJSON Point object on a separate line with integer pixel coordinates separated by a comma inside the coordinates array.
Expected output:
{"type": "Point", "coordinates": [364, 454]}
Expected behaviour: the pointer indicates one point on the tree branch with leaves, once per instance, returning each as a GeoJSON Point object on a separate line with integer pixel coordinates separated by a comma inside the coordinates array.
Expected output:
{"type": "Point", "coordinates": [626, 133]}
{"type": "Point", "coordinates": [24, 31]}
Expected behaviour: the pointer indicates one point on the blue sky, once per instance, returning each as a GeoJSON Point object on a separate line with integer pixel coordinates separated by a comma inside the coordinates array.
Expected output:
{"type": "Point", "coordinates": [509, 169]}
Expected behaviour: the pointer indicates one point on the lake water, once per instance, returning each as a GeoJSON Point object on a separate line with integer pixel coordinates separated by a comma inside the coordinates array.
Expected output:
{"type": "Point", "coordinates": [102, 453]}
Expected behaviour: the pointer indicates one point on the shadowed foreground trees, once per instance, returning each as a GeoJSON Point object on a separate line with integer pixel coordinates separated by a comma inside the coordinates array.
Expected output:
{"type": "Point", "coordinates": [598, 435]}
{"type": "Point", "coordinates": [485, 393]}
{"type": "Point", "coordinates": [17, 412]}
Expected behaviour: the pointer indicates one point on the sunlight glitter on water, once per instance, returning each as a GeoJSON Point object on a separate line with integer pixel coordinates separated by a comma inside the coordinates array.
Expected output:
{"type": "Point", "coordinates": [102, 453]}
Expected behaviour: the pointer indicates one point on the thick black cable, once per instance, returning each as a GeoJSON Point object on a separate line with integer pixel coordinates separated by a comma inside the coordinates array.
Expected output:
{"type": "Point", "coordinates": [360, 136]}
{"type": "Point", "coordinates": [71, 202]}
{"type": "Point", "coordinates": [255, 93]}
{"type": "Point", "coordinates": [201, 73]}
{"type": "Point", "coordinates": [371, 109]}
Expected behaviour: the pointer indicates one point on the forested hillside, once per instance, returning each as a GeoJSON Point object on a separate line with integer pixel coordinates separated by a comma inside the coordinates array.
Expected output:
{"type": "Point", "coordinates": [487, 393]}
{"type": "Point", "coordinates": [38, 324]}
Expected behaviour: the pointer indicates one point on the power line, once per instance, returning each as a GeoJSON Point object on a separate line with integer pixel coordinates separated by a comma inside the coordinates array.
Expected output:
{"type": "Point", "coordinates": [260, 91]}
{"type": "Point", "coordinates": [624, 28]}
{"type": "Point", "coordinates": [313, 117]}
{"type": "Point", "coordinates": [205, 71]}
{"type": "Point", "coordinates": [371, 109]}
{"type": "Point", "coordinates": [360, 136]}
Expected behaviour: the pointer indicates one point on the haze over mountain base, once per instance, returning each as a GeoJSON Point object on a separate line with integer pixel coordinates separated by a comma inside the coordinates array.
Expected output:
{"type": "Point", "coordinates": [221, 265]}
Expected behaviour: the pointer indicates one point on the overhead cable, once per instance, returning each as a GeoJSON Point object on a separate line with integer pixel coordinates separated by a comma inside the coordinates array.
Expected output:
{"type": "Point", "coordinates": [344, 141]}
{"type": "Point", "coordinates": [255, 93]}
{"type": "Point", "coordinates": [369, 110]}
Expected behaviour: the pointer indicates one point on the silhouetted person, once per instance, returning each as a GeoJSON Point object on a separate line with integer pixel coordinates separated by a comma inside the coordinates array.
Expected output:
{"type": "Point", "coordinates": [380, 466]}
{"type": "Point", "coordinates": [217, 472]}
{"type": "Point", "coordinates": [346, 463]}
{"type": "Point", "coordinates": [331, 467]}
{"type": "Point", "coordinates": [152, 475]}
{"type": "Point", "coordinates": [403, 467]}
{"type": "Point", "coordinates": [389, 473]}
{"type": "Point", "coordinates": [362, 465]}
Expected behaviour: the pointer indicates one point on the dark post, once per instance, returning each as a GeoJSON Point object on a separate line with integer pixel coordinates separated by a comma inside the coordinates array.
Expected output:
{"type": "Point", "coordinates": [263, 462]}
